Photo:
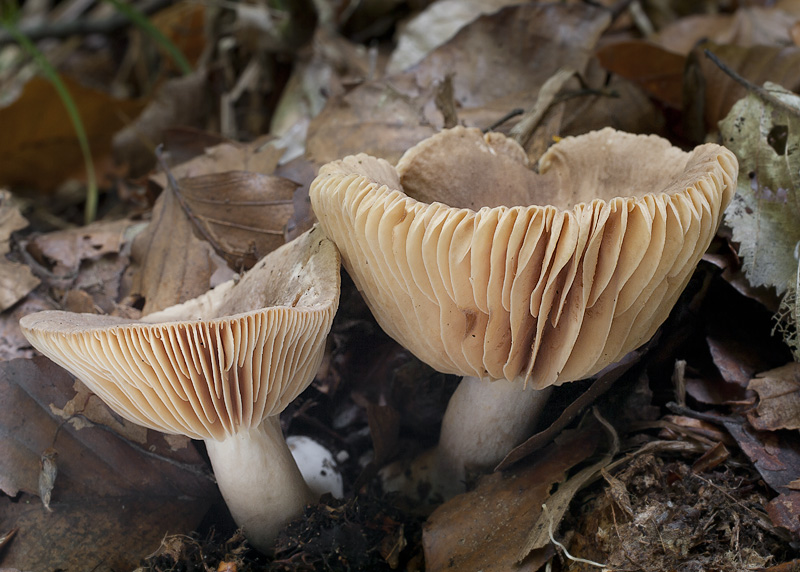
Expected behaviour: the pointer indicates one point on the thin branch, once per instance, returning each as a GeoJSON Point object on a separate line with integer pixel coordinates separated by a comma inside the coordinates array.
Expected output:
{"type": "Point", "coordinates": [81, 27]}
{"type": "Point", "coordinates": [761, 92]}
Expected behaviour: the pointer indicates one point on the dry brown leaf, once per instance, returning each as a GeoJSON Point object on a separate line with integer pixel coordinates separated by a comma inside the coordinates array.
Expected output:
{"type": "Point", "coordinates": [243, 215]}
{"type": "Point", "coordinates": [382, 119]}
{"type": "Point", "coordinates": [183, 101]}
{"type": "Point", "coordinates": [39, 148]}
{"type": "Point", "coordinates": [112, 499]}
{"type": "Point", "coordinates": [514, 51]}
{"type": "Point", "coordinates": [16, 279]}
{"type": "Point", "coordinates": [659, 72]}
{"type": "Point", "coordinates": [485, 528]}
{"type": "Point", "coordinates": [779, 399]}
{"type": "Point", "coordinates": [748, 26]}
{"type": "Point", "coordinates": [524, 45]}
{"type": "Point", "coordinates": [170, 264]}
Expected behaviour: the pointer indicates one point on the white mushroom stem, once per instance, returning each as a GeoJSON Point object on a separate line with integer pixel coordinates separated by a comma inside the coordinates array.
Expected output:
{"type": "Point", "coordinates": [483, 422]}
{"type": "Point", "coordinates": [259, 481]}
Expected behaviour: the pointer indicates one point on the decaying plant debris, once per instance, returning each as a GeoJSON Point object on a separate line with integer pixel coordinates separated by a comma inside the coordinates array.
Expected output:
{"type": "Point", "coordinates": [685, 456]}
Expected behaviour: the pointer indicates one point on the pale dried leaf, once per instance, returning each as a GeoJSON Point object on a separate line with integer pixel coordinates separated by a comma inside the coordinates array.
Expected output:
{"type": "Point", "coordinates": [16, 279]}
{"type": "Point", "coordinates": [434, 26]}
{"type": "Point", "coordinates": [64, 250]}
{"type": "Point", "coordinates": [259, 157]}
{"type": "Point", "coordinates": [779, 399]}
{"type": "Point", "coordinates": [748, 26]}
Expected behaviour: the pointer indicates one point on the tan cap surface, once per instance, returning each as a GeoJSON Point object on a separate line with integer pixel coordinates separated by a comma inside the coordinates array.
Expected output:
{"type": "Point", "coordinates": [215, 364]}
{"type": "Point", "coordinates": [514, 290]}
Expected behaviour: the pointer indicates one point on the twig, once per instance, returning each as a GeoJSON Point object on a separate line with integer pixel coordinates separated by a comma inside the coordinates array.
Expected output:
{"type": "Point", "coordinates": [510, 115]}
{"type": "Point", "coordinates": [81, 27]}
{"type": "Point", "coordinates": [750, 86]}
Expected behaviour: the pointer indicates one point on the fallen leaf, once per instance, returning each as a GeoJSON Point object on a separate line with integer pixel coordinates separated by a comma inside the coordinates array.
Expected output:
{"type": "Point", "coordinates": [184, 25]}
{"type": "Point", "coordinates": [434, 26]}
{"type": "Point", "coordinates": [747, 26]}
{"type": "Point", "coordinates": [524, 45]}
{"type": "Point", "coordinates": [659, 72]}
{"type": "Point", "coordinates": [12, 343]}
{"type": "Point", "coordinates": [738, 356]}
{"type": "Point", "coordinates": [763, 130]}
{"type": "Point", "coordinates": [380, 118]}
{"type": "Point", "coordinates": [243, 215]}
{"type": "Point", "coordinates": [16, 279]}
{"type": "Point", "coordinates": [169, 263]}
{"type": "Point", "coordinates": [484, 529]}
{"type": "Point", "coordinates": [779, 399]}
{"type": "Point", "coordinates": [259, 157]}
{"type": "Point", "coordinates": [776, 456]}
{"type": "Point", "coordinates": [183, 101]}
{"type": "Point", "coordinates": [112, 500]}
{"type": "Point", "coordinates": [784, 511]}
{"type": "Point", "coordinates": [39, 148]}
{"type": "Point", "coordinates": [63, 251]}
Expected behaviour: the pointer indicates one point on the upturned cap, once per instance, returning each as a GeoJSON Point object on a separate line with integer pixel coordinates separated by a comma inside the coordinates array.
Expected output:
{"type": "Point", "coordinates": [216, 364]}
{"type": "Point", "coordinates": [482, 267]}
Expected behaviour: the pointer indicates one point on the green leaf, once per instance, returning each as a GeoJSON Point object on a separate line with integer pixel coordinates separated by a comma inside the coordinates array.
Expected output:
{"type": "Point", "coordinates": [763, 129]}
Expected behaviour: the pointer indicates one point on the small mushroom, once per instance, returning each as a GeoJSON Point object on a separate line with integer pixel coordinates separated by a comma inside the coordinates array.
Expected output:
{"type": "Point", "coordinates": [220, 368]}
{"type": "Point", "coordinates": [486, 269]}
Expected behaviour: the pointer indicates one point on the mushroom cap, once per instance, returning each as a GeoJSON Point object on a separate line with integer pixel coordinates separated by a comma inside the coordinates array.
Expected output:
{"type": "Point", "coordinates": [482, 267]}
{"type": "Point", "coordinates": [214, 365]}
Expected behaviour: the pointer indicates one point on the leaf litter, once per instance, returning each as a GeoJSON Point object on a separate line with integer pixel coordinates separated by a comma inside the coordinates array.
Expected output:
{"type": "Point", "coordinates": [711, 484]}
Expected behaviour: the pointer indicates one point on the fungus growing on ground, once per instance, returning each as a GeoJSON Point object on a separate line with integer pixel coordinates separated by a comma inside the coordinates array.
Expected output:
{"type": "Point", "coordinates": [220, 368]}
{"type": "Point", "coordinates": [483, 268]}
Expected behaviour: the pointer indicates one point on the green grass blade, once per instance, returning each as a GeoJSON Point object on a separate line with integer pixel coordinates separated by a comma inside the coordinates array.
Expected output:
{"type": "Point", "coordinates": [90, 211]}
{"type": "Point", "coordinates": [142, 22]}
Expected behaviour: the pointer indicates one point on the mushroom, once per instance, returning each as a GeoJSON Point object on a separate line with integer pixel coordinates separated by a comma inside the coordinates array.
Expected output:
{"type": "Point", "coordinates": [220, 368]}
{"type": "Point", "coordinates": [483, 268]}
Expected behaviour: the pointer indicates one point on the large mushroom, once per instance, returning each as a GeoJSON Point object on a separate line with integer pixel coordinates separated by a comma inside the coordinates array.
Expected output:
{"type": "Point", "coordinates": [220, 368]}
{"type": "Point", "coordinates": [486, 269]}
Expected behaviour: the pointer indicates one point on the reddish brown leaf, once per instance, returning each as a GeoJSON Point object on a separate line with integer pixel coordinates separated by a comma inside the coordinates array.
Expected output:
{"type": "Point", "coordinates": [39, 148]}
{"type": "Point", "coordinates": [784, 511]}
{"type": "Point", "coordinates": [657, 71]}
